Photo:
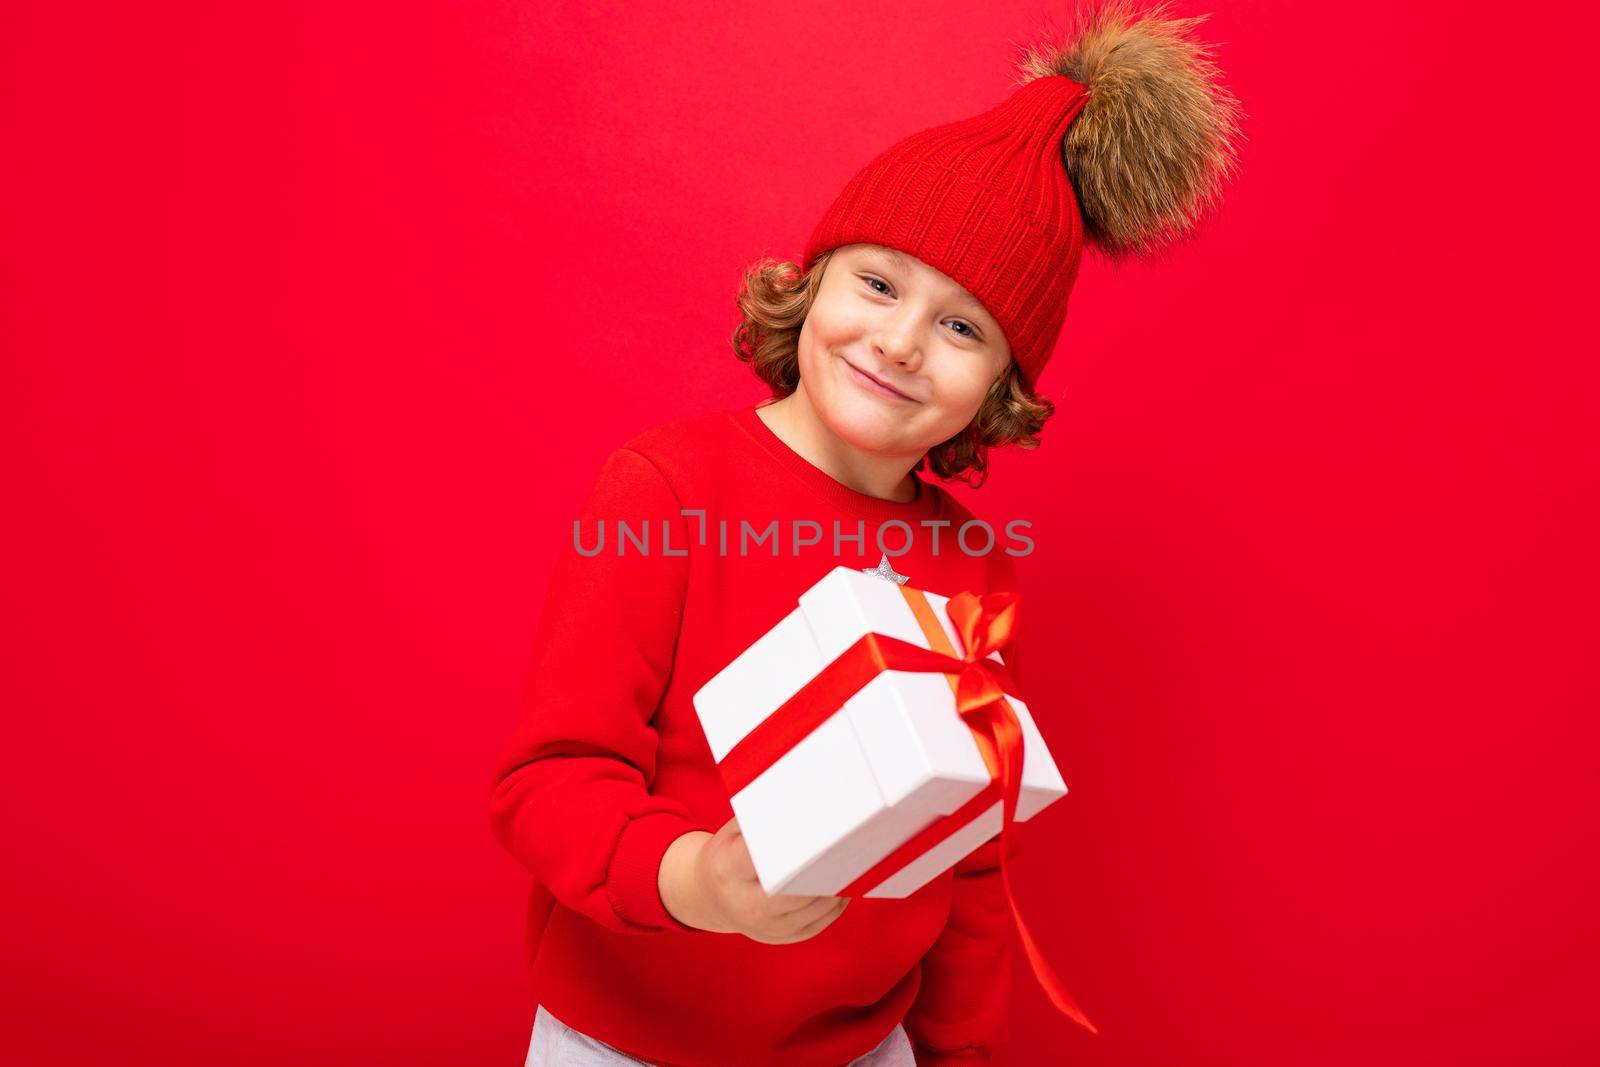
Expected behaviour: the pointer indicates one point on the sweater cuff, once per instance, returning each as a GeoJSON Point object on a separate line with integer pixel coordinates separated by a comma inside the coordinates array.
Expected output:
{"type": "Point", "coordinates": [633, 879]}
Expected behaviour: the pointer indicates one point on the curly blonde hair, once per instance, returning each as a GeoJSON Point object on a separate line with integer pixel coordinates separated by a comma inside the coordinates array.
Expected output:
{"type": "Point", "coordinates": [774, 299]}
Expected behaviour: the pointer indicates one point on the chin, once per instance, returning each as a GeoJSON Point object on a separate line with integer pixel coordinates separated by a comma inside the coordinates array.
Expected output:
{"type": "Point", "coordinates": [865, 424]}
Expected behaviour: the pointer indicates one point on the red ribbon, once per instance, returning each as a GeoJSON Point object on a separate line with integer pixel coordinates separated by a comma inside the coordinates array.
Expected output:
{"type": "Point", "coordinates": [980, 686]}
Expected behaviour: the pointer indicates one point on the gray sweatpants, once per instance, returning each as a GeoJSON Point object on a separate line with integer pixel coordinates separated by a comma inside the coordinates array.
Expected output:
{"type": "Point", "coordinates": [555, 1044]}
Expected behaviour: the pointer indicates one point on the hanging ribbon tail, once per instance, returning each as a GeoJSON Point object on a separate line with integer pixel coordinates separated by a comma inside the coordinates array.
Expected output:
{"type": "Point", "coordinates": [1042, 972]}
{"type": "Point", "coordinates": [1007, 734]}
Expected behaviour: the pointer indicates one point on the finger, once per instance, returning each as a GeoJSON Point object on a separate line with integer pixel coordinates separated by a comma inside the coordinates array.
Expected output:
{"type": "Point", "coordinates": [775, 927]}
{"type": "Point", "coordinates": [789, 904]}
{"type": "Point", "coordinates": [810, 929]}
{"type": "Point", "coordinates": [793, 921]}
{"type": "Point", "coordinates": [815, 927]}
{"type": "Point", "coordinates": [739, 864]}
{"type": "Point", "coordinates": [729, 830]}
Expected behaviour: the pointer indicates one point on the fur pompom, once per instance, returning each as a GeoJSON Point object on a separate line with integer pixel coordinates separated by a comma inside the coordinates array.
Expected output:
{"type": "Point", "coordinates": [1156, 140]}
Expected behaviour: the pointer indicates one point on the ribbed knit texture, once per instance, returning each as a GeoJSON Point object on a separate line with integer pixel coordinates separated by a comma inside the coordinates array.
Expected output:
{"type": "Point", "coordinates": [987, 200]}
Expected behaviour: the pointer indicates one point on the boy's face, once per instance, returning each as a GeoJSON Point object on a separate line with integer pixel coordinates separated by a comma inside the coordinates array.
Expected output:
{"type": "Point", "coordinates": [882, 314]}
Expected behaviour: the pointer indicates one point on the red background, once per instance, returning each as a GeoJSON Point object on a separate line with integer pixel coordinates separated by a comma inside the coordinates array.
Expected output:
{"type": "Point", "coordinates": [318, 324]}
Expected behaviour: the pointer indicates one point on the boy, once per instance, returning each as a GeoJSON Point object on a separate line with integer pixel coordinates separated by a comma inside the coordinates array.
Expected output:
{"type": "Point", "coordinates": [912, 335]}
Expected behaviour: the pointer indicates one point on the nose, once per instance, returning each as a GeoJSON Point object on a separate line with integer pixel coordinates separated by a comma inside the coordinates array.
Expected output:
{"type": "Point", "coordinates": [899, 341]}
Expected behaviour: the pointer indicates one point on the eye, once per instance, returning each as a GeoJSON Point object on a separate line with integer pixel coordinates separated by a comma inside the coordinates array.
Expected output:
{"type": "Point", "coordinates": [969, 331]}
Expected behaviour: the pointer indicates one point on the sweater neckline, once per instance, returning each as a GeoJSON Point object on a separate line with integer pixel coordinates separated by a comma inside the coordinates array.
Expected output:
{"type": "Point", "coordinates": [926, 504]}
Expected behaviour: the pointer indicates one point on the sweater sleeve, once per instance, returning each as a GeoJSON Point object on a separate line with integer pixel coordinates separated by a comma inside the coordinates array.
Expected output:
{"type": "Point", "coordinates": [572, 796]}
{"type": "Point", "coordinates": [960, 1014]}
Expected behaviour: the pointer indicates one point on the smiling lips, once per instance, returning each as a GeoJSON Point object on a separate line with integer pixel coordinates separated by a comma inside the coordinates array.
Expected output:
{"type": "Point", "coordinates": [874, 385]}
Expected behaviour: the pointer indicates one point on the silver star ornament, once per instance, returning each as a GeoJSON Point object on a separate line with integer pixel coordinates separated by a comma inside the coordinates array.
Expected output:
{"type": "Point", "coordinates": [886, 572]}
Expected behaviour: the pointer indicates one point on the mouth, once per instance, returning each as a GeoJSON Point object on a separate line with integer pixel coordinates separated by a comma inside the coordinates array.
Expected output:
{"type": "Point", "coordinates": [871, 384]}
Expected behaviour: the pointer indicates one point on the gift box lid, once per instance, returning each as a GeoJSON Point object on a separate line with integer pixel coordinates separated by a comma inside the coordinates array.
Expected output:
{"type": "Point", "coordinates": [903, 720]}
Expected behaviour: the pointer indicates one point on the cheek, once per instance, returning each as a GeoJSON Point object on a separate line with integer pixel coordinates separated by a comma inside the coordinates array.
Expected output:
{"type": "Point", "coordinates": [823, 336]}
{"type": "Point", "coordinates": [827, 327]}
{"type": "Point", "coordinates": [813, 352]}
{"type": "Point", "coordinates": [962, 393]}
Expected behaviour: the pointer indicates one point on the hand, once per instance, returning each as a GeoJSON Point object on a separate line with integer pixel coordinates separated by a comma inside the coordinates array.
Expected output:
{"type": "Point", "coordinates": [708, 882]}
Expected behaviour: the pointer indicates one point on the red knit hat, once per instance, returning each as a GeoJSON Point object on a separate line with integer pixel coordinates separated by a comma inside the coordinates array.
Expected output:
{"type": "Point", "coordinates": [1121, 136]}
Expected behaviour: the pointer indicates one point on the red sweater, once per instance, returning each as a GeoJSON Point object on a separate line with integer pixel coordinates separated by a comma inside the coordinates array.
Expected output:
{"type": "Point", "coordinates": [609, 766]}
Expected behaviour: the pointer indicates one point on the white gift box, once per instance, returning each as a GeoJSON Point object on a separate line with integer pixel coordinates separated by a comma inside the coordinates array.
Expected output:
{"type": "Point", "coordinates": [895, 758]}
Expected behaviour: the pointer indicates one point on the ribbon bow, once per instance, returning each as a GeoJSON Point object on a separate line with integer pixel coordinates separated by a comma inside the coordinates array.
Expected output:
{"type": "Point", "coordinates": [984, 626]}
